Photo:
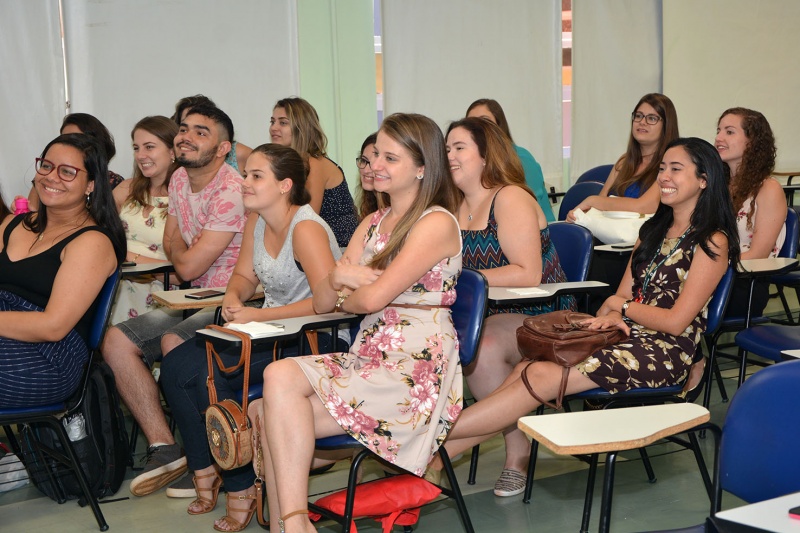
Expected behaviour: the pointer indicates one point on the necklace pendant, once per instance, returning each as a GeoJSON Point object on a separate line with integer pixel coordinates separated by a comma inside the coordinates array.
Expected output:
{"type": "Point", "coordinates": [469, 217]}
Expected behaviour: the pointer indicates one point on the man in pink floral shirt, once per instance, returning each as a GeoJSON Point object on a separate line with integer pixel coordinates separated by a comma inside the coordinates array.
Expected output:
{"type": "Point", "coordinates": [202, 237]}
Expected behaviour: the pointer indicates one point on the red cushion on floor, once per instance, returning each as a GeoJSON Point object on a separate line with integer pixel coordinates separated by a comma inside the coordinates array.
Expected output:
{"type": "Point", "coordinates": [392, 501]}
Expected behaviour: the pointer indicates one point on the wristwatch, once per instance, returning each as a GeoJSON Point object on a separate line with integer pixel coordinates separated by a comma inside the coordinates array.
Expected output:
{"type": "Point", "coordinates": [625, 308]}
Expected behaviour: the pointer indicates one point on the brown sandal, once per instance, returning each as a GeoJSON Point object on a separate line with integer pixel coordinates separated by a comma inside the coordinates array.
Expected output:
{"type": "Point", "coordinates": [234, 524]}
{"type": "Point", "coordinates": [206, 505]}
{"type": "Point", "coordinates": [282, 520]}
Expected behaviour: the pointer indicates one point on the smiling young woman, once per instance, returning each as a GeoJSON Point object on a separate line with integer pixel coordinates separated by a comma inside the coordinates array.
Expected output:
{"type": "Point", "coordinates": [53, 263]}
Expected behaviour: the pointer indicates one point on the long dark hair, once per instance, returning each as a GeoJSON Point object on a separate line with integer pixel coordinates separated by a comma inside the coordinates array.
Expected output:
{"type": "Point", "coordinates": [91, 126]}
{"type": "Point", "coordinates": [4, 210]}
{"type": "Point", "coordinates": [101, 204]}
{"type": "Point", "coordinates": [285, 163]}
{"type": "Point", "coordinates": [630, 161]}
{"type": "Point", "coordinates": [165, 130]}
{"type": "Point", "coordinates": [713, 212]}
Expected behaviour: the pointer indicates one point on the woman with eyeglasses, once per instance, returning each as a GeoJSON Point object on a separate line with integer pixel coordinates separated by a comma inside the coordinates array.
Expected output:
{"type": "Point", "coordinates": [629, 187]}
{"type": "Point", "coordinates": [53, 264]}
{"type": "Point", "coordinates": [746, 145]}
{"type": "Point", "coordinates": [367, 196]}
{"type": "Point", "coordinates": [295, 123]}
{"type": "Point", "coordinates": [88, 125]}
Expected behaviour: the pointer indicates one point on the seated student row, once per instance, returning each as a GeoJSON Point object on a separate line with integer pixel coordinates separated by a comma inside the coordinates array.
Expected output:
{"type": "Point", "coordinates": [469, 215]}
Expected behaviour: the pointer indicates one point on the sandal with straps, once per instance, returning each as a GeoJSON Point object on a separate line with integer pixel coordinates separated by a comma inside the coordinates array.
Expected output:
{"type": "Point", "coordinates": [206, 505]}
{"type": "Point", "coordinates": [235, 525]}
{"type": "Point", "coordinates": [282, 520]}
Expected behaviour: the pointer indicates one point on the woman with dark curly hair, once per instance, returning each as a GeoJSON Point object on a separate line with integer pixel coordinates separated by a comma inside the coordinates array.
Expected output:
{"type": "Point", "coordinates": [747, 147]}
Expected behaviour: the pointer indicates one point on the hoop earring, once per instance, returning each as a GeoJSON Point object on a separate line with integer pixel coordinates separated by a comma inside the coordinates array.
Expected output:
{"type": "Point", "coordinates": [420, 176]}
{"type": "Point", "coordinates": [88, 200]}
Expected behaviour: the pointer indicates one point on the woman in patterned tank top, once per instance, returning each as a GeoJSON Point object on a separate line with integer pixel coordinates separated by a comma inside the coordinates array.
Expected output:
{"type": "Point", "coordinates": [506, 238]}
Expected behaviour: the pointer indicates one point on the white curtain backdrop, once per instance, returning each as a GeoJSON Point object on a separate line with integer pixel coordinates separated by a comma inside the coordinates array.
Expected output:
{"type": "Point", "coordinates": [616, 59]}
{"type": "Point", "coordinates": [438, 57]}
{"type": "Point", "coordinates": [32, 99]}
{"type": "Point", "coordinates": [735, 53]}
{"type": "Point", "coordinates": [129, 59]}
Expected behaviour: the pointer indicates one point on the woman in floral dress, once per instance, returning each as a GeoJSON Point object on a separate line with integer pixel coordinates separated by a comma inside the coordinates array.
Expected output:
{"type": "Point", "coordinates": [399, 389]}
{"type": "Point", "coordinates": [681, 255]}
{"type": "Point", "coordinates": [142, 203]}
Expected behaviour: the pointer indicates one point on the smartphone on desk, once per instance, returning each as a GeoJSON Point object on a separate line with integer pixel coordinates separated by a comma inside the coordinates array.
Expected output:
{"type": "Point", "coordinates": [202, 295]}
{"type": "Point", "coordinates": [129, 264]}
{"type": "Point", "coordinates": [622, 246]}
{"type": "Point", "coordinates": [794, 512]}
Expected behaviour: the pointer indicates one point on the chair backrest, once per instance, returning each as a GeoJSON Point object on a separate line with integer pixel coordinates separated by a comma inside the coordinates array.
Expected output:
{"type": "Point", "coordinates": [576, 194]}
{"type": "Point", "coordinates": [600, 174]}
{"type": "Point", "coordinates": [789, 248]}
{"type": "Point", "coordinates": [575, 247]}
{"type": "Point", "coordinates": [758, 451]}
{"type": "Point", "coordinates": [719, 302]}
{"type": "Point", "coordinates": [468, 312]}
{"type": "Point", "coordinates": [103, 312]}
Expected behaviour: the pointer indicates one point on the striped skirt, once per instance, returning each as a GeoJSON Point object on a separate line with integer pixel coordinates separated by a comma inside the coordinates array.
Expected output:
{"type": "Point", "coordinates": [38, 373]}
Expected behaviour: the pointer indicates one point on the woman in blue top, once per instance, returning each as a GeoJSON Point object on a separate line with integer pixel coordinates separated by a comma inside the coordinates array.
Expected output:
{"type": "Point", "coordinates": [506, 238]}
{"type": "Point", "coordinates": [654, 124]}
{"type": "Point", "coordinates": [492, 111]}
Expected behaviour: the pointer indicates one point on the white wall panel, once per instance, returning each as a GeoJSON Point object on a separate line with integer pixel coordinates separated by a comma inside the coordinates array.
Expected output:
{"type": "Point", "coordinates": [439, 56]}
{"type": "Point", "coordinates": [720, 54]}
{"type": "Point", "coordinates": [616, 60]}
{"type": "Point", "coordinates": [129, 59]}
{"type": "Point", "coordinates": [32, 97]}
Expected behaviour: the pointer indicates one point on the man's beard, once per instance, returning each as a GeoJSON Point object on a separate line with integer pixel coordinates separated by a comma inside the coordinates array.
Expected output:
{"type": "Point", "coordinates": [203, 159]}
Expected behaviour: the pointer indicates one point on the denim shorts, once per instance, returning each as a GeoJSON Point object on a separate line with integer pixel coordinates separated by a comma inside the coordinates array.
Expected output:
{"type": "Point", "coordinates": [146, 330]}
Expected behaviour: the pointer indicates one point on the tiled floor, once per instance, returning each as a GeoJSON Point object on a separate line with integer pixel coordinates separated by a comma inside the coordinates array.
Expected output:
{"type": "Point", "coordinates": [677, 499]}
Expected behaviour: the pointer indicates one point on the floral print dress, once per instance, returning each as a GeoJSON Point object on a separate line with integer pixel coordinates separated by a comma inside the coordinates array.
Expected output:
{"type": "Point", "coordinates": [650, 358]}
{"type": "Point", "coordinates": [144, 236]}
{"type": "Point", "coordinates": [399, 388]}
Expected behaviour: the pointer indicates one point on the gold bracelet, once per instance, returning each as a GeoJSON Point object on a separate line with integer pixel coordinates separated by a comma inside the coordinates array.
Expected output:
{"type": "Point", "coordinates": [340, 300]}
{"type": "Point", "coordinates": [135, 257]}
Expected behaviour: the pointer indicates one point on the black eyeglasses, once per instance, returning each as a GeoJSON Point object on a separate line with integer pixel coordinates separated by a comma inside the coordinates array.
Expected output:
{"type": "Point", "coordinates": [362, 162]}
{"type": "Point", "coordinates": [650, 119]}
{"type": "Point", "coordinates": [65, 172]}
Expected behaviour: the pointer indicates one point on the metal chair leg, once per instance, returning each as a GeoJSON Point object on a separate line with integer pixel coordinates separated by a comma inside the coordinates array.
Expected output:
{"type": "Point", "coordinates": [587, 502]}
{"type": "Point", "coordinates": [526, 496]}
{"type": "Point", "coordinates": [456, 491]}
{"type": "Point", "coordinates": [473, 464]}
{"type": "Point", "coordinates": [608, 489]}
{"type": "Point", "coordinates": [648, 466]}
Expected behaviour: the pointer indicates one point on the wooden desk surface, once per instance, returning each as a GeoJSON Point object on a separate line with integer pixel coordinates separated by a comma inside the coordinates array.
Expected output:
{"type": "Point", "coordinates": [542, 293]}
{"type": "Point", "coordinates": [147, 268]}
{"type": "Point", "coordinates": [178, 299]}
{"type": "Point", "coordinates": [612, 429]}
{"type": "Point", "coordinates": [768, 266]}
{"type": "Point", "coordinates": [292, 327]}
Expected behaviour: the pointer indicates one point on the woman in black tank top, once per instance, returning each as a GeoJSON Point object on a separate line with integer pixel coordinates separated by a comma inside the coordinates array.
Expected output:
{"type": "Point", "coordinates": [53, 264]}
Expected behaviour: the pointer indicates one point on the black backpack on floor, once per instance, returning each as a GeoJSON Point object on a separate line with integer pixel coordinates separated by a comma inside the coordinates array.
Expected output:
{"type": "Point", "coordinates": [103, 453]}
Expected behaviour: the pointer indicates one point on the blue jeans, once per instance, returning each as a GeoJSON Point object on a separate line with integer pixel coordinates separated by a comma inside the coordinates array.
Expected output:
{"type": "Point", "coordinates": [183, 379]}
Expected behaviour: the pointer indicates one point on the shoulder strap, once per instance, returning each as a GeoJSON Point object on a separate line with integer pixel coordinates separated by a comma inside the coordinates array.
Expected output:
{"type": "Point", "coordinates": [11, 225]}
{"type": "Point", "coordinates": [244, 360]}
